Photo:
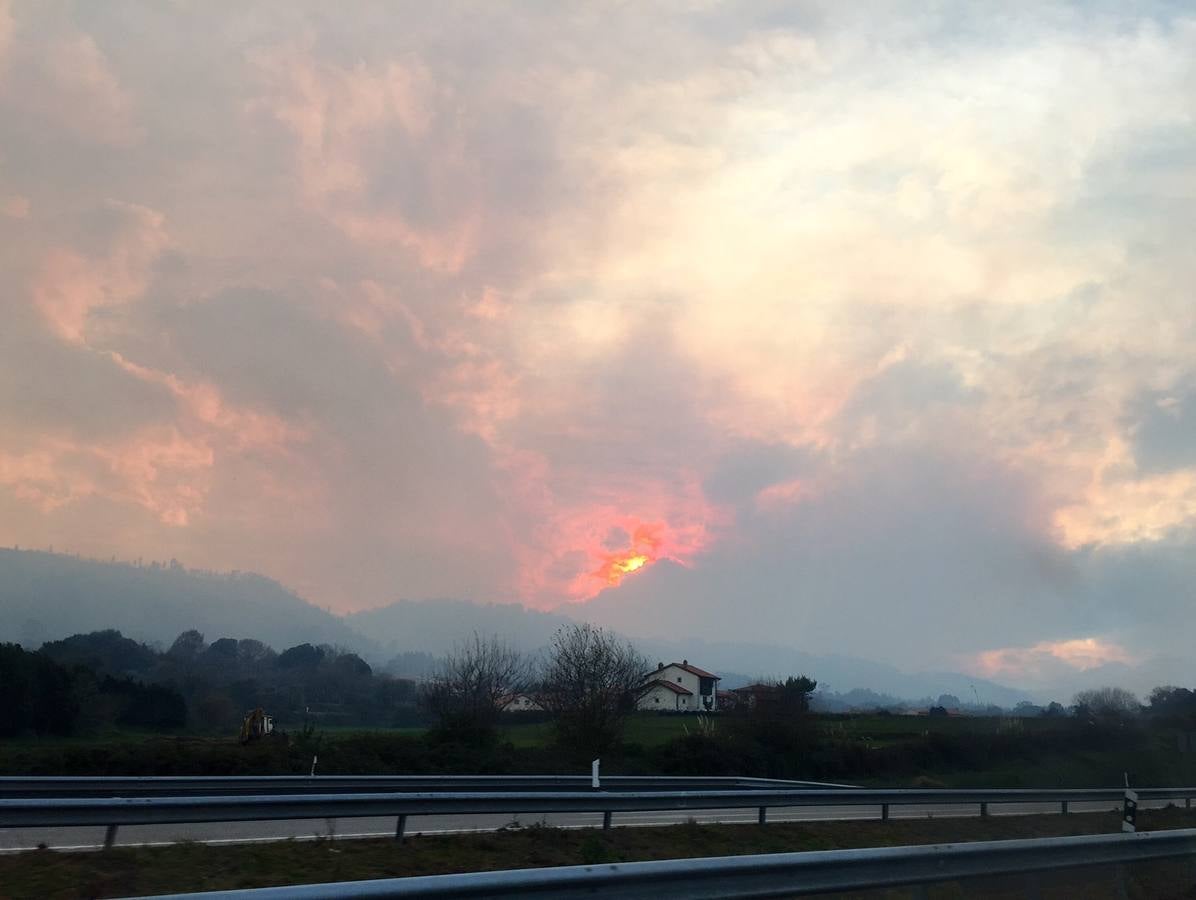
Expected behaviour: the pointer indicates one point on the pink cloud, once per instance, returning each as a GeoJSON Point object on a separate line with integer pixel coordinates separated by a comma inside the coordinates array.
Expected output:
{"type": "Point", "coordinates": [36, 478]}
{"type": "Point", "coordinates": [203, 403]}
{"type": "Point", "coordinates": [157, 469]}
{"type": "Point", "coordinates": [166, 469]}
{"type": "Point", "coordinates": [16, 207]}
{"type": "Point", "coordinates": [70, 285]}
{"type": "Point", "coordinates": [160, 470]}
{"type": "Point", "coordinates": [1076, 653]}
{"type": "Point", "coordinates": [339, 115]}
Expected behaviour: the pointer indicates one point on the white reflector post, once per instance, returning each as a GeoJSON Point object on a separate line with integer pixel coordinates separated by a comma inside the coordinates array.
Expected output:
{"type": "Point", "coordinates": [1129, 816]}
{"type": "Point", "coordinates": [594, 774]}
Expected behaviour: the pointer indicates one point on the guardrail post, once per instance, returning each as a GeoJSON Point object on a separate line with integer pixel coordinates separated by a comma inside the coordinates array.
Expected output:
{"type": "Point", "coordinates": [1064, 808]}
{"type": "Point", "coordinates": [606, 817]}
{"type": "Point", "coordinates": [401, 827]}
{"type": "Point", "coordinates": [1187, 802]}
{"type": "Point", "coordinates": [984, 809]}
{"type": "Point", "coordinates": [763, 817]}
{"type": "Point", "coordinates": [109, 837]}
{"type": "Point", "coordinates": [884, 812]}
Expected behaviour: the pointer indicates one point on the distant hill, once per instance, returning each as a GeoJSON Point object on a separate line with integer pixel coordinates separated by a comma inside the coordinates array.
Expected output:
{"type": "Point", "coordinates": [434, 626]}
{"type": "Point", "coordinates": [48, 596]}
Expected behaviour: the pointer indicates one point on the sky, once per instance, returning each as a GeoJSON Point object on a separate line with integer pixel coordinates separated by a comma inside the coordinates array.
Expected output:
{"type": "Point", "coordinates": [863, 328]}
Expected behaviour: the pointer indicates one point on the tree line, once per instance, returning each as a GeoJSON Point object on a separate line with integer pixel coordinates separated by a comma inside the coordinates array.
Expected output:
{"type": "Point", "coordinates": [102, 680]}
{"type": "Point", "coordinates": [41, 696]}
{"type": "Point", "coordinates": [587, 681]}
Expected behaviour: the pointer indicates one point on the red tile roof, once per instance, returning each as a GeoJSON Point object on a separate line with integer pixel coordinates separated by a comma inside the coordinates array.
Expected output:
{"type": "Point", "coordinates": [675, 688]}
{"type": "Point", "coordinates": [756, 688]}
{"type": "Point", "coordinates": [694, 670]}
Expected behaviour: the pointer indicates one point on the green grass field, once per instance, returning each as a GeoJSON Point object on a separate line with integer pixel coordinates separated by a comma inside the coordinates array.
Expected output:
{"type": "Point", "coordinates": [880, 730]}
{"type": "Point", "coordinates": [652, 729]}
{"type": "Point", "coordinates": [880, 751]}
{"type": "Point", "coordinates": [646, 729]}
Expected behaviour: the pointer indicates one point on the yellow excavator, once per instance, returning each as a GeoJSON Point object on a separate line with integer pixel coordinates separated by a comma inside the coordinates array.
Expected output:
{"type": "Point", "coordinates": [256, 726]}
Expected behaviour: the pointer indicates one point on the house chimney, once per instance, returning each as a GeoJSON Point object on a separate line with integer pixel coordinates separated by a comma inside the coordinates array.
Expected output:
{"type": "Point", "coordinates": [659, 666]}
{"type": "Point", "coordinates": [685, 662]}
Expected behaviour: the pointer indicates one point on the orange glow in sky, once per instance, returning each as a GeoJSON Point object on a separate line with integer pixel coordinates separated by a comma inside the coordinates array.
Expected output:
{"type": "Point", "coordinates": [645, 548]}
{"type": "Point", "coordinates": [630, 564]}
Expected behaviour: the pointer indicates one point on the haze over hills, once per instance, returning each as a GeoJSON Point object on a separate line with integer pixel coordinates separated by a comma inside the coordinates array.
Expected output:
{"type": "Point", "coordinates": [434, 626]}
{"type": "Point", "coordinates": [47, 596]}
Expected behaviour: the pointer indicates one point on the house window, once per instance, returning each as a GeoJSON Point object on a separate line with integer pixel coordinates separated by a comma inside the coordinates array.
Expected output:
{"type": "Point", "coordinates": [678, 679]}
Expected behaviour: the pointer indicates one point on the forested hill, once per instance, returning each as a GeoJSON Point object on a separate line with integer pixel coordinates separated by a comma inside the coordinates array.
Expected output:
{"type": "Point", "coordinates": [47, 596]}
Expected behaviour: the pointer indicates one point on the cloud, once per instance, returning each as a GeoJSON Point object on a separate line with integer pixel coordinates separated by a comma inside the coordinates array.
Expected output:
{"type": "Point", "coordinates": [745, 470]}
{"type": "Point", "coordinates": [1033, 662]}
{"type": "Point", "coordinates": [72, 285]}
{"type": "Point", "coordinates": [343, 120]}
{"type": "Point", "coordinates": [880, 551]}
{"type": "Point", "coordinates": [1164, 431]}
{"type": "Point", "coordinates": [157, 470]}
{"type": "Point", "coordinates": [16, 207]}
{"type": "Point", "coordinates": [90, 396]}
{"type": "Point", "coordinates": [864, 331]}
{"type": "Point", "coordinates": [7, 27]}
{"type": "Point", "coordinates": [66, 83]}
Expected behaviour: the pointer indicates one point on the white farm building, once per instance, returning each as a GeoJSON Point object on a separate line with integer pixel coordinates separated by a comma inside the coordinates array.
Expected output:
{"type": "Point", "coordinates": [678, 687]}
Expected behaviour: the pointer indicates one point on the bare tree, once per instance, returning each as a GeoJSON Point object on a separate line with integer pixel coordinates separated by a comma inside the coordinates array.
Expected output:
{"type": "Point", "coordinates": [589, 680]}
{"type": "Point", "coordinates": [466, 693]}
{"type": "Point", "coordinates": [1107, 703]}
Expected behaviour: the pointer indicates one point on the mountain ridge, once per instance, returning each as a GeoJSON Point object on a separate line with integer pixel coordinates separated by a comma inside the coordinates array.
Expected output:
{"type": "Point", "coordinates": [48, 596]}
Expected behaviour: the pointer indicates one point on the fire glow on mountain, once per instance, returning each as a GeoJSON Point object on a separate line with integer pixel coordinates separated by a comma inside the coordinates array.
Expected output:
{"type": "Point", "coordinates": [618, 564]}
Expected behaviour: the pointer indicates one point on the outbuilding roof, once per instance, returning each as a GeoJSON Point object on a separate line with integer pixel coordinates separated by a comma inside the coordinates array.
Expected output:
{"type": "Point", "coordinates": [756, 688]}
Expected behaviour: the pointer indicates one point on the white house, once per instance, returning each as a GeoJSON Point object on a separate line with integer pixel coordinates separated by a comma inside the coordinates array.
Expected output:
{"type": "Point", "coordinates": [678, 687]}
{"type": "Point", "coordinates": [520, 703]}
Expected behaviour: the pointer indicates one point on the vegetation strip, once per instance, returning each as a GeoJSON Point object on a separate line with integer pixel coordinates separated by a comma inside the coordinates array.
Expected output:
{"type": "Point", "coordinates": [190, 866]}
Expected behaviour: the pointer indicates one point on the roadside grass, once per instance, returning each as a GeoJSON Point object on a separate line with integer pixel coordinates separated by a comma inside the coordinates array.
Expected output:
{"type": "Point", "coordinates": [194, 867]}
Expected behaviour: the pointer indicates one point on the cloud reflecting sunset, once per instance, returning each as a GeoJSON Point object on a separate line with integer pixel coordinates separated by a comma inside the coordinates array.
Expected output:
{"type": "Point", "coordinates": [819, 321]}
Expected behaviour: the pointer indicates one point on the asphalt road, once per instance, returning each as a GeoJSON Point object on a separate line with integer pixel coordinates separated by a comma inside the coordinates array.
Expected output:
{"type": "Point", "coordinates": [90, 838]}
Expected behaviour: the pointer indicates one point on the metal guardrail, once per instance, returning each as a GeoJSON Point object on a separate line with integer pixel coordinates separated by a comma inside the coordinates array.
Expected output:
{"type": "Point", "coordinates": [111, 811]}
{"type": "Point", "coordinates": [765, 875]}
{"type": "Point", "coordinates": [176, 786]}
